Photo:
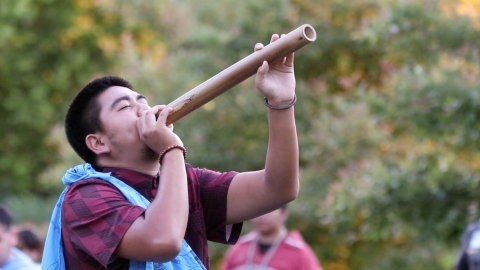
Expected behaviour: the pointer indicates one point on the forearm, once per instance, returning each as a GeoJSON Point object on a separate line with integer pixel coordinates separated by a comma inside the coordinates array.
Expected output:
{"type": "Point", "coordinates": [281, 166]}
{"type": "Point", "coordinates": [158, 235]}
{"type": "Point", "coordinates": [252, 194]}
{"type": "Point", "coordinates": [169, 209]}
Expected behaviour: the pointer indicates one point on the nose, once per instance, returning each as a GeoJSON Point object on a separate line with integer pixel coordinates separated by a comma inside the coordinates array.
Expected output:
{"type": "Point", "coordinates": [141, 107]}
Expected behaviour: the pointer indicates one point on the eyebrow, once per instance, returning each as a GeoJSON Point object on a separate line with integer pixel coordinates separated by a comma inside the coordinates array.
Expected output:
{"type": "Point", "coordinates": [127, 98]}
{"type": "Point", "coordinates": [114, 104]}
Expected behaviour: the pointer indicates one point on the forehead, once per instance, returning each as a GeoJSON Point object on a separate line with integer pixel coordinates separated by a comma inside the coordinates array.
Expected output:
{"type": "Point", "coordinates": [113, 93]}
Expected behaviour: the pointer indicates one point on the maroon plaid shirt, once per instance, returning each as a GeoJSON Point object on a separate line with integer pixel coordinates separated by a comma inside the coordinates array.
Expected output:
{"type": "Point", "coordinates": [95, 216]}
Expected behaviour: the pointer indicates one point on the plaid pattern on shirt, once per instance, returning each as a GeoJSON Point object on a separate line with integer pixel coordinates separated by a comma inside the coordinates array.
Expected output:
{"type": "Point", "coordinates": [95, 216]}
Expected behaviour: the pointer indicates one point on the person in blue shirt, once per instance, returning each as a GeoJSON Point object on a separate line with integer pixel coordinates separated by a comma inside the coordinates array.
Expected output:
{"type": "Point", "coordinates": [12, 258]}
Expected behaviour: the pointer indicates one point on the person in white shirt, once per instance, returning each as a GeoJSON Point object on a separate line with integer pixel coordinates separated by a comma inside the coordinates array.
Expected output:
{"type": "Point", "coordinates": [12, 258]}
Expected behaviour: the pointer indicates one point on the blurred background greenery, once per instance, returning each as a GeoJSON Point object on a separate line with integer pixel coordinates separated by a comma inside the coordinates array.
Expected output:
{"type": "Point", "coordinates": [388, 109]}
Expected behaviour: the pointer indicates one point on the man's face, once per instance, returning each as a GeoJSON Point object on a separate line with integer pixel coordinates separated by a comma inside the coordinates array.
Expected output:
{"type": "Point", "coordinates": [7, 241]}
{"type": "Point", "coordinates": [121, 108]}
{"type": "Point", "coordinates": [270, 222]}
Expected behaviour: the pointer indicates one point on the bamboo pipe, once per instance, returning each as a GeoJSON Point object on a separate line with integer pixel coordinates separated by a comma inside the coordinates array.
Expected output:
{"type": "Point", "coordinates": [239, 71]}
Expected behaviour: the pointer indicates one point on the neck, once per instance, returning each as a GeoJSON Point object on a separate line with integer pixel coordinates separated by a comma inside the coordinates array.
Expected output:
{"type": "Point", "coordinates": [150, 168]}
{"type": "Point", "coordinates": [144, 160]}
{"type": "Point", "coordinates": [270, 237]}
{"type": "Point", "coordinates": [150, 171]}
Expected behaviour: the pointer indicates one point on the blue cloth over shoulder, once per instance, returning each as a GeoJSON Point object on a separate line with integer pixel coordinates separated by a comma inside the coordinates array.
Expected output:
{"type": "Point", "coordinates": [53, 252]}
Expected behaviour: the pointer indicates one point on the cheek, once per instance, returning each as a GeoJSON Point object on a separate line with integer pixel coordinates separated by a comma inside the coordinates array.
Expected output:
{"type": "Point", "coordinates": [121, 126]}
{"type": "Point", "coordinates": [4, 252]}
{"type": "Point", "coordinates": [123, 141]}
{"type": "Point", "coordinates": [121, 129]}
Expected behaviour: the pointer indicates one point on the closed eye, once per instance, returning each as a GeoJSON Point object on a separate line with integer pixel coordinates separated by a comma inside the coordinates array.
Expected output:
{"type": "Point", "coordinates": [124, 107]}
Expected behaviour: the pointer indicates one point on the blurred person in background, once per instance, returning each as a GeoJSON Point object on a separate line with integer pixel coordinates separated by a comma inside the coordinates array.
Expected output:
{"type": "Point", "coordinates": [468, 257]}
{"type": "Point", "coordinates": [12, 258]}
{"type": "Point", "coordinates": [271, 246]}
{"type": "Point", "coordinates": [30, 242]}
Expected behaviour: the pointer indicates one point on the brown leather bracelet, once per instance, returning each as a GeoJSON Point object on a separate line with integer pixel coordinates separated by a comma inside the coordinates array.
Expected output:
{"type": "Point", "coordinates": [281, 108]}
{"type": "Point", "coordinates": [164, 152]}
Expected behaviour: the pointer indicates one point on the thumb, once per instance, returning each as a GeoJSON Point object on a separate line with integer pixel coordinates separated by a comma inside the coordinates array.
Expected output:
{"type": "Point", "coordinates": [261, 72]}
{"type": "Point", "coordinates": [263, 69]}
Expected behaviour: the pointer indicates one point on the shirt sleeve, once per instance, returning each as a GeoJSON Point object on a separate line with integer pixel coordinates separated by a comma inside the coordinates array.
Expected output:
{"type": "Point", "coordinates": [213, 195]}
{"type": "Point", "coordinates": [308, 259]}
{"type": "Point", "coordinates": [95, 217]}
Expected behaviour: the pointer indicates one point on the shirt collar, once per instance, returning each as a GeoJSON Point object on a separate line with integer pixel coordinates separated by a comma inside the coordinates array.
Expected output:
{"type": "Point", "coordinates": [144, 184]}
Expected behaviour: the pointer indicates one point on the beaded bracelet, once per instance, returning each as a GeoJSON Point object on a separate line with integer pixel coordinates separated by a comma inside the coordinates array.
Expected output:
{"type": "Point", "coordinates": [184, 150]}
{"type": "Point", "coordinates": [281, 108]}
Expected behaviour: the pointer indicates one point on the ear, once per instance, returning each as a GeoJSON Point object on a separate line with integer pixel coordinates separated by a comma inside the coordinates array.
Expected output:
{"type": "Point", "coordinates": [95, 143]}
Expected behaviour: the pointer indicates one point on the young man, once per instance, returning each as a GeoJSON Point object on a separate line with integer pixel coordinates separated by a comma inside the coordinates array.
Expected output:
{"type": "Point", "coordinates": [10, 257]}
{"type": "Point", "coordinates": [30, 242]}
{"type": "Point", "coordinates": [113, 128]}
{"type": "Point", "coordinates": [271, 246]}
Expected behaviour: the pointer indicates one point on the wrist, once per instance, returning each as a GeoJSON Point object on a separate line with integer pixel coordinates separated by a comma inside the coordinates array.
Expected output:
{"type": "Point", "coordinates": [280, 105]}
{"type": "Point", "coordinates": [170, 148]}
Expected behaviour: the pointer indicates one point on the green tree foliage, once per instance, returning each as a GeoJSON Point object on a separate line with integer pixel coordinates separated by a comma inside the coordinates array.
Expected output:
{"type": "Point", "coordinates": [45, 54]}
{"type": "Point", "coordinates": [387, 109]}
{"type": "Point", "coordinates": [49, 50]}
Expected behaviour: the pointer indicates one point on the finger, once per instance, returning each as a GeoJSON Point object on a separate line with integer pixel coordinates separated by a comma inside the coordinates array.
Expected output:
{"type": "Point", "coordinates": [274, 38]}
{"type": "Point", "coordinates": [147, 117]}
{"type": "Point", "coordinates": [142, 122]}
{"type": "Point", "coordinates": [289, 60]}
{"type": "Point", "coordinates": [162, 117]}
{"type": "Point", "coordinates": [159, 109]}
{"type": "Point", "coordinates": [258, 47]}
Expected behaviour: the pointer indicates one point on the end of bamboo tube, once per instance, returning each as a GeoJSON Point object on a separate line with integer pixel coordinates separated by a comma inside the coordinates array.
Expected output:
{"type": "Point", "coordinates": [309, 33]}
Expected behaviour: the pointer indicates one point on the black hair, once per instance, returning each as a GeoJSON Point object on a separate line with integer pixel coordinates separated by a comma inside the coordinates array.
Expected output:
{"type": "Point", "coordinates": [83, 114]}
{"type": "Point", "coordinates": [6, 218]}
{"type": "Point", "coordinates": [28, 239]}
